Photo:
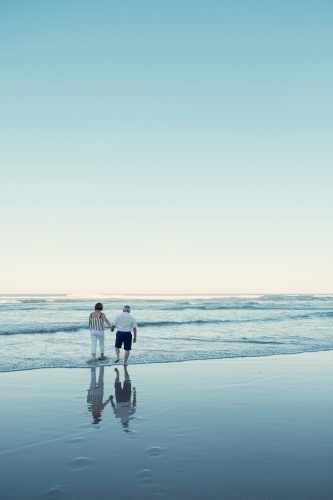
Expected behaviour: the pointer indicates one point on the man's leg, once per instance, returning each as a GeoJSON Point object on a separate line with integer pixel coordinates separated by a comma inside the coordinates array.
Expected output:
{"type": "Point", "coordinates": [118, 345]}
{"type": "Point", "coordinates": [127, 353]}
{"type": "Point", "coordinates": [127, 377]}
{"type": "Point", "coordinates": [127, 346]}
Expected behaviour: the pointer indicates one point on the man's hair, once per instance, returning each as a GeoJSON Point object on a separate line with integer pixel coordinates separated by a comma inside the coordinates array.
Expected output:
{"type": "Point", "coordinates": [127, 309]}
{"type": "Point", "coordinates": [99, 307]}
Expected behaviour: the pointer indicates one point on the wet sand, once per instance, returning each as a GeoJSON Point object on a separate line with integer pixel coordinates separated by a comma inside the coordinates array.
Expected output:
{"type": "Point", "coordinates": [251, 428]}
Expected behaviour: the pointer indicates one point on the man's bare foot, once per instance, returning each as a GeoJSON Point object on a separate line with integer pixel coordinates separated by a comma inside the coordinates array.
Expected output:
{"type": "Point", "coordinates": [125, 364]}
{"type": "Point", "coordinates": [116, 360]}
{"type": "Point", "coordinates": [102, 358]}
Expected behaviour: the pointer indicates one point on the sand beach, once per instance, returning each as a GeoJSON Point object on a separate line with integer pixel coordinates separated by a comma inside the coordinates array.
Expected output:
{"type": "Point", "coordinates": [246, 428]}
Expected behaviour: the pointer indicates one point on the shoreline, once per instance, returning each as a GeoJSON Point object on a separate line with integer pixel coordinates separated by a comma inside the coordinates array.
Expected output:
{"type": "Point", "coordinates": [157, 363]}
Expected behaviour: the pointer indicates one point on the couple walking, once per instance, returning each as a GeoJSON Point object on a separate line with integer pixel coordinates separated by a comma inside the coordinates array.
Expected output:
{"type": "Point", "coordinates": [124, 323]}
{"type": "Point", "coordinates": [124, 407]}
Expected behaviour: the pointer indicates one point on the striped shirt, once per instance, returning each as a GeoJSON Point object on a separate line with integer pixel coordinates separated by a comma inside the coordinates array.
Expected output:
{"type": "Point", "coordinates": [96, 323]}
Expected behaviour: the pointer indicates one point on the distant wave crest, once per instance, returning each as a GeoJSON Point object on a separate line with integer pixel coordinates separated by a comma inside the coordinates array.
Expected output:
{"type": "Point", "coordinates": [74, 327]}
{"type": "Point", "coordinates": [39, 329]}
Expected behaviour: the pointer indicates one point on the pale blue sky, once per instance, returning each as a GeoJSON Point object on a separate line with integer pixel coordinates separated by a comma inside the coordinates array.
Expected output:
{"type": "Point", "coordinates": [166, 147]}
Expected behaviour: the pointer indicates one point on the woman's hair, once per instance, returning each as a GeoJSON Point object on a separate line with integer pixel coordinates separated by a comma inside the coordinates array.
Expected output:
{"type": "Point", "coordinates": [99, 307]}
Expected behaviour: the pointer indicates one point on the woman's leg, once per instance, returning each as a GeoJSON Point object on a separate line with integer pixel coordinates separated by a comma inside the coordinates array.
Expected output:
{"type": "Point", "coordinates": [93, 344]}
{"type": "Point", "coordinates": [101, 377]}
{"type": "Point", "coordinates": [93, 378]}
{"type": "Point", "coordinates": [101, 344]}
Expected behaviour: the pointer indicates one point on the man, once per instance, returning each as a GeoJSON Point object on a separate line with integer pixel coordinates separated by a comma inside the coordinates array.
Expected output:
{"type": "Point", "coordinates": [124, 408]}
{"type": "Point", "coordinates": [124, 323]}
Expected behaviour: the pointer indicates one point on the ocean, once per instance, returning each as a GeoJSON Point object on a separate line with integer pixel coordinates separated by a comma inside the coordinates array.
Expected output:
{"type": "Point", "coordinates": [46, 331]}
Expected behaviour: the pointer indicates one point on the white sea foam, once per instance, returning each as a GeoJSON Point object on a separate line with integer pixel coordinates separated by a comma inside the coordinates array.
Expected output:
{"type": "Point", "coordinates": [4, 301]}
{"type": "Point", "coordinates": [155, 297]}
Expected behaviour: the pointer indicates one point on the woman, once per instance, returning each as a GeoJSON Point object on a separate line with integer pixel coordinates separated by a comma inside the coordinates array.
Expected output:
{"type": "Point", "coordinates": [96, 326]}
{"type": "Point", "coordinates": [95, 395]}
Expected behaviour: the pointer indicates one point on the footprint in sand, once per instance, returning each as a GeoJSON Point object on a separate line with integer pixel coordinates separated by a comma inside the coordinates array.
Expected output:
{"type": "Point", "coordinates": [56, 492]}
{"type": "Point", "coordinates": [155, 451]}
{"type": "Point", "coordinates": [80, 463]}
{"type": "Point", "coordinates": [75, 441]}
{"type": "Point", "coordinates": [145, 476]}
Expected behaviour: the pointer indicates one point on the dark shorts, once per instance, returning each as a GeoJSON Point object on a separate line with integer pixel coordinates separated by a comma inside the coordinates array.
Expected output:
{"type": "Point", "coordinates": [123, 394]}
{"type": "Point", "coordinates": [125, 337]}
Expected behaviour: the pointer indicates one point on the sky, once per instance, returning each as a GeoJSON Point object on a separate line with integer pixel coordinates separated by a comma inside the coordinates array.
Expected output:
{"type": "Point", "coordinates": [166, 146]}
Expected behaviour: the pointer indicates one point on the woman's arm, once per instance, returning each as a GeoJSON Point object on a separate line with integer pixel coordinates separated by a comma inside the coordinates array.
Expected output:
{"type": "Point", "coordinates": [104, 318]}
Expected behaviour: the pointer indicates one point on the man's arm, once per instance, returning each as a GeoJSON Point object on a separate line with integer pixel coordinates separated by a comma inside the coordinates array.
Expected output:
{"type": "Point", "coordinates": [134, 397]}
{"type": "Point", "coordinates": [134, 332]}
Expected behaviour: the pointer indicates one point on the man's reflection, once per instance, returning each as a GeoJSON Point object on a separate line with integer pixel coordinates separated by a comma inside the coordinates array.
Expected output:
{"type": "Point", "coordinates": [124, 407]}
{"type": "Point", "coordinates": [95, 395]}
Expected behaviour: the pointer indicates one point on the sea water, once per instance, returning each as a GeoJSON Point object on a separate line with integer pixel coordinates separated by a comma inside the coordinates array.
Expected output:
{"type": "Point", "coordinates": [38, 331]}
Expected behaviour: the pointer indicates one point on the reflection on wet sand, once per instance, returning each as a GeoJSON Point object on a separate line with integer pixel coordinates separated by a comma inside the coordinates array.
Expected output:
{"type": "Point", "coordinates": [95, 395]}
{"type": "Point", "coordinates": [124, 408]}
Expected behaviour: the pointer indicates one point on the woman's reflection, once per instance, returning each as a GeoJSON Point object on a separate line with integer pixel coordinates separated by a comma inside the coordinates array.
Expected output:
{"type": "Point", "coordinates": [95, 395]}
{"type": "Point", "coordinates": [124, 407]}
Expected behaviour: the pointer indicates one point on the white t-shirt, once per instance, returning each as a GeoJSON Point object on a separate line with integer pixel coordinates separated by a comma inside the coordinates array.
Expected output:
{"type": "Point", "coordinates": [124, 322]}
{"type": "Point", "coordinates": [124, 411]}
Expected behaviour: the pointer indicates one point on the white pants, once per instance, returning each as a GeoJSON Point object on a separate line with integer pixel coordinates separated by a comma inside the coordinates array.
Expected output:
{"type": "Point", "coordinates": [97, 335]}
